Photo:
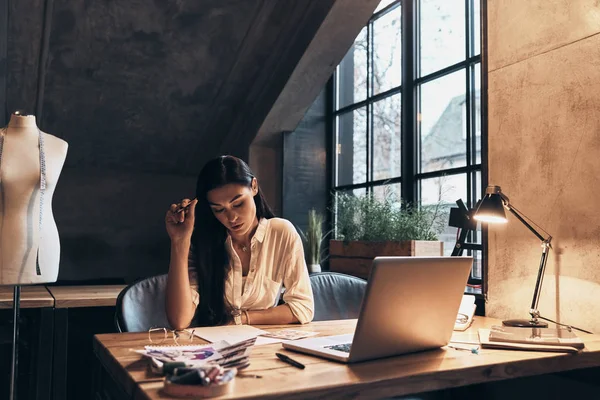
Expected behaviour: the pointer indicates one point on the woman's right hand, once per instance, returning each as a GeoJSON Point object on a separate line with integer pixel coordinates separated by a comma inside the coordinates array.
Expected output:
{"type": "Point", "coordinates": [180, 224]}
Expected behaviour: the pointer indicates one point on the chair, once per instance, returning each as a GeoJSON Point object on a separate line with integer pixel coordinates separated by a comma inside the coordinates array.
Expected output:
{"type": "Point", "coordinates": [337, 296]}
{"type": "Point", "coordinates": [141, 305]}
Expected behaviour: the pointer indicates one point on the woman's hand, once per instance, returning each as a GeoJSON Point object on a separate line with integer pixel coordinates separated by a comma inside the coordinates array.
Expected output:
{"type": "Point", "coordinates": [180, 220]}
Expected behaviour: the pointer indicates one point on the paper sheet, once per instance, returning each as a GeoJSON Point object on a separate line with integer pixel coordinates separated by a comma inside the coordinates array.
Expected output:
{"type": "Point", "coordinates": [465, 337]}
{"type": "Point", "coordinates": [262, 340]}
{"type": "Point", "coordinates": [228, 333]}
{"type": "Point", "coordinates": [466, 309]}
{"type": "Point", "coordinates": [189, 354]}
{"type": "Point", "coordinates": [290, 334]}
{"type": "Point", "coordinates": [235, 355]}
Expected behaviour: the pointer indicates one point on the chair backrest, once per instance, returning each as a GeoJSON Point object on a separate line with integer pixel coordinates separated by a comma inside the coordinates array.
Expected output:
{"type": "Point", "coordinates": [141, 305]}
{"type": "Point", "coordinates": [337, 296]}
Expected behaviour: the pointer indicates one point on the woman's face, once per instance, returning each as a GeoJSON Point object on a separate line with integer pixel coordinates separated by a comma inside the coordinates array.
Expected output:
{"type": "Point", "coordinates": [233, 205]}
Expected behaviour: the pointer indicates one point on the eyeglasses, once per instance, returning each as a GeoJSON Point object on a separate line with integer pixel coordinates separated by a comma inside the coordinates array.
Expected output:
{"type": "Point", "coordinates": [159, 335]}
{"type": "Point", "coordinates": [462, 318]}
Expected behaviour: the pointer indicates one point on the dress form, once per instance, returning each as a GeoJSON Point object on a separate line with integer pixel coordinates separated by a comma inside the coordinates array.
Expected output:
{"type": "Point", "coordinates": [29, 245]}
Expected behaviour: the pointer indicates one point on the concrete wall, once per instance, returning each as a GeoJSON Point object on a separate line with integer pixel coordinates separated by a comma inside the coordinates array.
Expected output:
{"type": "Point", "coordinates": [544, 141]}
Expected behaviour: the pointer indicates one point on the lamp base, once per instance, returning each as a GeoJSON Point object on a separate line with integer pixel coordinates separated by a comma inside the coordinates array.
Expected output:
{"type": "Point", "coordinates": [524, 323]}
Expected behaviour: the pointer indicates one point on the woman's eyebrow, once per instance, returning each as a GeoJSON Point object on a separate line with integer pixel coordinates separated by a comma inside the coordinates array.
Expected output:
{"type": "Point", "coordinates": [231, 201]}
{"type": "Point", "coordinates": [235, 198]}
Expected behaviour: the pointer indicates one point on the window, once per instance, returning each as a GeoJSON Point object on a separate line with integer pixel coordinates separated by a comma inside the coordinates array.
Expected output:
{"type": "Point", "coordinates": [407, 107]}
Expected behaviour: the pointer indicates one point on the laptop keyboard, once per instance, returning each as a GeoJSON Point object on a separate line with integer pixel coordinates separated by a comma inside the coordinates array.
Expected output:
{"type": "Point", "coordinates": [340, 347]}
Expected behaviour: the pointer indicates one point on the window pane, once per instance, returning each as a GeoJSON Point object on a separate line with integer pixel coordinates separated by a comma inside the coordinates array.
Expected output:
{"type": "Point", "coordinates": [352, 73]}
{"type": "Point", "coordinates": [344, 213]}
{"type": "Point", "coordinates": [352, 147]}
{"type": "Point", "coordinates": [476, 27]}
{"type": "Point", "coordinates": [442, 28]}
{"type": "Point", "coordinates": [445, 190]}
{"type": "Point", "coordinates": [383, 4]}
{"type": "Point", "coordinates": [386, 138]}
{"type": "Point", "coordinates": [441, 119]}
{"type": "Point", "coordinates": [391, 192]}
{"type": "Point", "coordinates": [387, 51]}
{"type": "Point", "coordinates": [477, 110]}
{"type": "Point", "coordinates": [476, 188]}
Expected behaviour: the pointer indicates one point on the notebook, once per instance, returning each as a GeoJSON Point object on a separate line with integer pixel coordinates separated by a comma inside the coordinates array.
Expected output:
{"type": "Point", "coordinates": [536, 339]}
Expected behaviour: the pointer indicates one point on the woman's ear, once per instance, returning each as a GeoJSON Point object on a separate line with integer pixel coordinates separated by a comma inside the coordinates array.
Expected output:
{"type": "Point", "coordinates": [254, 187]}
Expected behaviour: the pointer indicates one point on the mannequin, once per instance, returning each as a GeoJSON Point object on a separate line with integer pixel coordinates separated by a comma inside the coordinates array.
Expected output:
{"type": "Point", "coordinates": [29, 244]}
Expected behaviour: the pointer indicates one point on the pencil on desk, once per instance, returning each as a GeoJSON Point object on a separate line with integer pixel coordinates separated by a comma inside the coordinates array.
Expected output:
{"type": "Point", "coordinates": [288, 360]}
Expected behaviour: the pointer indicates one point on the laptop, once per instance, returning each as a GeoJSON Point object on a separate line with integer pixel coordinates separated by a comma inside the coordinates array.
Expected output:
{"type": "Point", "coordinates": [410, 305]}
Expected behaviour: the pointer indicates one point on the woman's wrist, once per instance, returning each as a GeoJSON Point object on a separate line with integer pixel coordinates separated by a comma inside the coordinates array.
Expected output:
{"type": "Point", "coordinates": [245, 318]}
{"type": "Point", "coordinates": [181, 244]}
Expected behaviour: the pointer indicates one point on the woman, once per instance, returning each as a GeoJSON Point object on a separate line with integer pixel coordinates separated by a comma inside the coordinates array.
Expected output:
{"type": "Point", "coordinates": [234, 255]}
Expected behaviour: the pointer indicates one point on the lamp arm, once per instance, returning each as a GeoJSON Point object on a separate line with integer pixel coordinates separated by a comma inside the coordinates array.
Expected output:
{"type": "Point", "coordinates": [533, 311]}
{"type": "Point", "coordinates": [540, 278]}
{"type": "Point", "coordinates": [524, 222]}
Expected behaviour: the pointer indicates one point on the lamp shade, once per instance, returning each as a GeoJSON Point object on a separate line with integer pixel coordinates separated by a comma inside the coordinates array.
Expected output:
{"type": "Point", "coordinates": [491, 209]}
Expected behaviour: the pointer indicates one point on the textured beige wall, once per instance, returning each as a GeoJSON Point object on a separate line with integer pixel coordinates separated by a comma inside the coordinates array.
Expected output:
{"type": "Point", "coordinates": [544, 150]}
{"type": "Point", "coordinates": [520, 29]}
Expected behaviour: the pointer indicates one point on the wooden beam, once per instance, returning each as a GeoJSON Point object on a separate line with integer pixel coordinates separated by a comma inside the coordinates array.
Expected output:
{"type": "Point", "coordinates": [286, 54]}
{"type": "Point", "coordinates": [326, 50]}
{"type": "Point", "coordinates": [273, 46]}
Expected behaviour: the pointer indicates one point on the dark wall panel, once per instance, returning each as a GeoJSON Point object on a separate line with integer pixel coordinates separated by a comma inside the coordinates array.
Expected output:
{"type": "Point", "coordinates": [129, 83]}
{"type": "Point", "coordinates": [3, 59]}
{"type": "Point", "coordinates": [25, 27]}
{"type": "Point", "coordinates": [305, 173]}
{"type": "Point", "coordinates": [111, 222]}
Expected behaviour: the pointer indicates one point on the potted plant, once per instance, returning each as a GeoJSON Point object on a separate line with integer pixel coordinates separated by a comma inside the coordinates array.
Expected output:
{"type": "Point", "coordinates": [313, 240]}
{"type": "Point", "coordinates": [368, 226]}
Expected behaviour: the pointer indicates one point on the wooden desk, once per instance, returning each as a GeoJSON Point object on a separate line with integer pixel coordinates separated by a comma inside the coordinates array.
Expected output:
{"type": "Point", "coordinates": [65, 298]}
{"type": "Point", "coordinates": [31, 297]}
{"type": "Point", "coordinates": [409, 374]}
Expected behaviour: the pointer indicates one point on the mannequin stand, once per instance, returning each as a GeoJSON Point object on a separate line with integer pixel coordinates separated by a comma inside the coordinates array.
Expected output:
{"type": "Point", "coordinates": [15, 343]}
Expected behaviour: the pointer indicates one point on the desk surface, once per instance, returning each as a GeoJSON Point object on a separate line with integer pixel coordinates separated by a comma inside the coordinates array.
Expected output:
{"type": "Point", "coordinates": [409, 374]}
{"type": "Point", "coordinates": [31, 297]}
{"type": "Point", "coordinates": [85, 296]}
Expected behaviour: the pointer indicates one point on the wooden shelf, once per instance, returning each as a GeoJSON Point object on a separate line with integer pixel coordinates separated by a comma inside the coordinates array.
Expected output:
{"type": "Point", "coordinates": [31, 297]}
{"type": "Point", "coordinates": [85, 296]}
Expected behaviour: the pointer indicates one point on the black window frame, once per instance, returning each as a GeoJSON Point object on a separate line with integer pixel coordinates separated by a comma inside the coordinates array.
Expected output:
{"type": "Point", "coordinates": [410, 176]}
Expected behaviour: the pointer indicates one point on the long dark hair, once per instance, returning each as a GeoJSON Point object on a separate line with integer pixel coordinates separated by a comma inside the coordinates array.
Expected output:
{"type": "Point", "coordinates": [212, 261]}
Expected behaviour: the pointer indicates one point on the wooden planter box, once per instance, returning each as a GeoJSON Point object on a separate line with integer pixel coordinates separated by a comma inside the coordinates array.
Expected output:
{"type": "Point", "coordinates": [355, 257]}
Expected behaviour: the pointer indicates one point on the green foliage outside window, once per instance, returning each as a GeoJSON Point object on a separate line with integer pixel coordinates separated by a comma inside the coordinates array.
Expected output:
{"type": "Point", "coordinates": [369, 218]}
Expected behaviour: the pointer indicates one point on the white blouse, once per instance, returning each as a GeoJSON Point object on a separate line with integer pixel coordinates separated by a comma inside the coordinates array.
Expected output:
{"type": "Point", "coordinates": [276, 261]}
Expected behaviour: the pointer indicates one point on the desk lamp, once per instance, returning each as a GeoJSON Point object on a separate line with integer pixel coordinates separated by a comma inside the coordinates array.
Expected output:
{"type": "Point", "coordinates": [491, 209]}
